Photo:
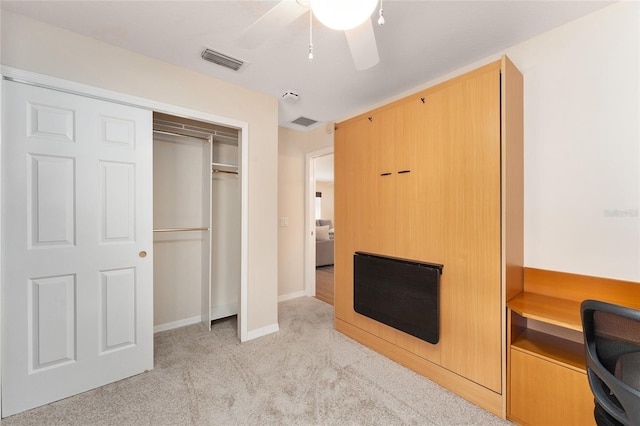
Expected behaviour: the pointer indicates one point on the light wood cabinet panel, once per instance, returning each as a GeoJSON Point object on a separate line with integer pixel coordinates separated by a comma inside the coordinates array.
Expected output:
{"type": "Point", "coordinates": [429, 214]}
{"type": "Point", "coordinates": [411, 203]}
{"type": "Point", "coordinates": [426, 182]}
{"type": "Point", "coordinates": [564, 401]}
{"type": "Point", "coordinates": [470, 290]}
{"type": "Point", "coordinates": [363, 194]}
{"type": "Point", "coordinates": [386, 135]}
{"type": "Point", "coordinates": [394, 181]}
{"type": "Point", "coordinates": [419, 347]}
{"type": "Point", "coordinates": [356, 190]}
{"type": "Point", "coordinates": [347, 142]}
{"type": "Point", "coordinates": [512, 122]}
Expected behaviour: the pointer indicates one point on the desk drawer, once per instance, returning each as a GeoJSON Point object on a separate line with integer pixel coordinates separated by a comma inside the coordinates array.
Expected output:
{"type": "Point", "coordinates": [547, 393]}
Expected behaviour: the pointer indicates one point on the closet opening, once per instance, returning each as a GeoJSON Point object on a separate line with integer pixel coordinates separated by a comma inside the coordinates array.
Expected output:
{"type": "Point", "coordinates": [197, 222]}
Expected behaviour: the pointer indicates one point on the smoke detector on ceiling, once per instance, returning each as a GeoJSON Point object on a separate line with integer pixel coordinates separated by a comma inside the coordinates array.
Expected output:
{"type": "Point", "coordinates": [290, 97]}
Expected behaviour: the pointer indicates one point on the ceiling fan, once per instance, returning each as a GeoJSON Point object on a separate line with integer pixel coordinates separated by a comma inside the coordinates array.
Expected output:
{"type": "Point", "coordinates": [350, 16]}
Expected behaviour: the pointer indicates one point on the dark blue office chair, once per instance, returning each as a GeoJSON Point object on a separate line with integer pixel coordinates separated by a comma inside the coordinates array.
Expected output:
{"type": "Point", "coordinates": [612, 348]}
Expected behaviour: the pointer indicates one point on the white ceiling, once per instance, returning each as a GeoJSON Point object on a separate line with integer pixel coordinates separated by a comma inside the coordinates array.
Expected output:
{"type": "Point", "coordinates": [420, 41]}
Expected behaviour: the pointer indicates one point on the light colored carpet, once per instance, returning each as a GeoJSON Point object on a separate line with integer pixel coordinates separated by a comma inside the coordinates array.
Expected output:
{"type": "Point", "coordinates": [306, 374]}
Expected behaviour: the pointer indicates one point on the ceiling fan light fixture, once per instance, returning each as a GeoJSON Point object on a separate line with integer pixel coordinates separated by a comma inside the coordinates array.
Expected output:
{"type": "Point", "coordinates": [343, 14]}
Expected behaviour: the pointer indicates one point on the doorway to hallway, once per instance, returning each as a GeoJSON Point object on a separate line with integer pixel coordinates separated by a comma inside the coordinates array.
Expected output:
{"type": "Point", "coordinates": [324, 284]}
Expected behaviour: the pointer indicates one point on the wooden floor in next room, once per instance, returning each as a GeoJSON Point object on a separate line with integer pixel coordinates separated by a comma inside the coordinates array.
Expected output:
{"type": "Point", "coordinates": [324, 284]}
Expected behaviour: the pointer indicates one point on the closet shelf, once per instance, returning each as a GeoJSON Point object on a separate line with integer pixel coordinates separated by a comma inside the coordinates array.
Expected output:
{"type": "Point", "coordinates": [180, 229]}
{"type": "Point", "coordinates": [563, 352]}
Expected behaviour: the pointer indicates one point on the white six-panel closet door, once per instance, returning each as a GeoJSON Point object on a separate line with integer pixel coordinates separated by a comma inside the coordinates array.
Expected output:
{"type": "Point", "coordinates": [77, 246]}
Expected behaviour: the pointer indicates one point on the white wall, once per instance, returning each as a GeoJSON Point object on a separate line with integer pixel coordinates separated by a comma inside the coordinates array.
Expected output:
{"type": "Point", "coordinates": [225, 254]}
{"type": "Point", "coordinates": [291, 150]}
{"type": "Point", "coordinates": [293, 146]}
{"type": "Point", "coordinates": [582, 144]}
{"type": "Point", "coordinates": [34, 46]}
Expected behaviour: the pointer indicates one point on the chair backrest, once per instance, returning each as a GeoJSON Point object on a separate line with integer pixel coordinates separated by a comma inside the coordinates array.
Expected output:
{"type": "Point", "coordinates": [612, 349]}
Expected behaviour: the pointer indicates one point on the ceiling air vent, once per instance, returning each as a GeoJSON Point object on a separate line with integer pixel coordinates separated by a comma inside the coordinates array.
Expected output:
{"type": "Point", "coordinates": [222, 60]}
{"type": "Point", "coordinates": [304, 121]}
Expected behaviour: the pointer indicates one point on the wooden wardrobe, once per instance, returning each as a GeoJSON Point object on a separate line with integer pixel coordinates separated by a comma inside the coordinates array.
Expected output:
{"type": "Point", "coordinates": [438, 177]}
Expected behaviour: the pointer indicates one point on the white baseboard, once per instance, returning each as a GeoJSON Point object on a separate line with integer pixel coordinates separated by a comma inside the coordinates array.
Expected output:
{"type": "Point", "coordinates": [222, 312]}
{"type": "Point", "coordinates": [176, 324]}
{"type": "Point", "coordinates": [263, 331]}
{"type": "Point", "coordinates": [291, 296]}
{"type": "Point", "coordinates": [217, 312]}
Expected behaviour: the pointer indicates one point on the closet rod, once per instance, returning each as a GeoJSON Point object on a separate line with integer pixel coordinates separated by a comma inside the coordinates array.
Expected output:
{"type": "Point", "coordinates": [180, 229]}
{"type": "Point", "coordinates": [164, 132]}
{"type": "Point", "coordinates": [224, 171]}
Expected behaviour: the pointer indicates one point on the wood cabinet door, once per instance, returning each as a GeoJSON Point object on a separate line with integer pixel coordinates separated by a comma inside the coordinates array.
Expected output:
{"type": "Point", "coordinates": [397, 197]}
{"type": "Point", "coordinates": [420, 179]}
{"type": "Point", "coordinates": [466, 126]}
{"type": "Point", "coordinates": [382, 154]}
{"type": "Point", "coordinates": [410, 202]}
{"type": "Point", "coordinates": [386, 133]}
{"type": "Point", "coordinates": [346, 146]}
{"type": "Point", "coordinates": [355, 199]}
{"type": "Point", "coordinates": [537, 400]}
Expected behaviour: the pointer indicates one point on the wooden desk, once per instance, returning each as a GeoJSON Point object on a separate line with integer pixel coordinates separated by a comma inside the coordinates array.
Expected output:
{"type": "Point", "coordinates": [546, 373]}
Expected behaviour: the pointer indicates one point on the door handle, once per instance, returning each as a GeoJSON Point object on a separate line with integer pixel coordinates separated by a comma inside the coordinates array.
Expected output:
{"type": "Point", "coordinates": [142, 254]}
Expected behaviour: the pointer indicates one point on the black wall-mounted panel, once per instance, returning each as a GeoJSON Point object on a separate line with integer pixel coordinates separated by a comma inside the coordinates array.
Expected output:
{"type": "Point", "coordinates": [401, 293]}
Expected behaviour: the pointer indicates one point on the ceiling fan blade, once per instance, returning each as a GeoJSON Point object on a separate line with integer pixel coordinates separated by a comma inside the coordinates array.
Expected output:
{"type": "Point", "coordinates": [264, 28]}
{"type": "Point", "coordinates": [362, 43]}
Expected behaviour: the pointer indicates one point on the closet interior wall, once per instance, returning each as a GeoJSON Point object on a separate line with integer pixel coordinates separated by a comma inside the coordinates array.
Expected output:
{"type": "Point", "coordinates": [196, 207]}
{"type": "Point", "coordinates": [225, 220]}
{"type": "Point", "coordinates": [180, 269]}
